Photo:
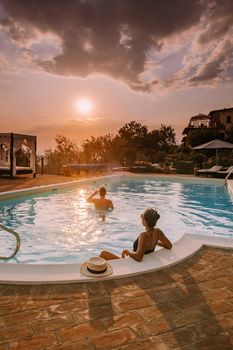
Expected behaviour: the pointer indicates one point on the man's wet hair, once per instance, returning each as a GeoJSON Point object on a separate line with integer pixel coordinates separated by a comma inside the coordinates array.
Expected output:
{"type": "Point", "coordinates": [102, 191]}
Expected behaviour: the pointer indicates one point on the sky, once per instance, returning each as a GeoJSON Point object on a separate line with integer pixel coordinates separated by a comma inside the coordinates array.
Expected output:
{"type": "Point", "coordinates": [84, 68]}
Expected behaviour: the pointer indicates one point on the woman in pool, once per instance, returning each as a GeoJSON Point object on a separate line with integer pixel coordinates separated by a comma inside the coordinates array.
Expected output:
{"type": "Point", "coordinates": [146, 241]}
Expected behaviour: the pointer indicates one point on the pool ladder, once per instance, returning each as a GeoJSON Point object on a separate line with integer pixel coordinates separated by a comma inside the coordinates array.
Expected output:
{"type": "Point", "coordinates": [2, 227]}
{"type": "Point", "coordinates": [228, 175]}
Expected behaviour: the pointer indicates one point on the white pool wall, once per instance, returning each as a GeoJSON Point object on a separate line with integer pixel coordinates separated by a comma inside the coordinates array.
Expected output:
{"type": "Point", "coordinates": [183, 249]}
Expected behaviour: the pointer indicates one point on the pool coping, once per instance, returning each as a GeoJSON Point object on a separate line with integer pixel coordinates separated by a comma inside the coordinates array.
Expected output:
{"type": "Point", "coordinates": [182, 249]}
{"type": "Point", "coordinates": [69, 184]}
{"type": "Point", "coordinates": [49, 188]}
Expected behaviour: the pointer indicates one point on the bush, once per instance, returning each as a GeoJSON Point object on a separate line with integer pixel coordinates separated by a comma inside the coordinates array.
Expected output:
{"type": "Point", "coordinates": [184, 167]}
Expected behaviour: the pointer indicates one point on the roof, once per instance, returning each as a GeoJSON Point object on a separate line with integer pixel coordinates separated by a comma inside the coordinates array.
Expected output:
{"type": "Point", "coordinates": [221, 110]}
{"type": "Point", "coordinates": [17, 136]}
{"type": "Point", "coordinates": [200, 116]}
{"type": "Point", "coordinates": [214, 144]}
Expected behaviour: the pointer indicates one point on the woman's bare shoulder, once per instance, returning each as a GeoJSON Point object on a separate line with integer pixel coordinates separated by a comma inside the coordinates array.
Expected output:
{"type": "Point", "coordinates": [143, 234]}
{"type": "Point", "coordinates": [157, 229]}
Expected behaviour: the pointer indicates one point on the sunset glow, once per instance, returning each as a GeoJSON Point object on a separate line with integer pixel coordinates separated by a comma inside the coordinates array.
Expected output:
{"type": "Point", "coordinates": [153, 62]}
{"type": "Point", "coordinates": [83, 106]}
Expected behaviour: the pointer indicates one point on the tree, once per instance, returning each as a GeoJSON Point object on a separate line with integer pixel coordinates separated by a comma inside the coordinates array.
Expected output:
{"type": "Point", "coordinates": [202, 135]}
{"type": "Point", "coordinates": [167, 138]}
{"type": "Point", "coordinates": [66, 151]}
{"type": "Point", "coordinates": [133, 132]}
{"type": "Point", "coordinates": [98, 149]}
{"type": "Point", "coordinates": [133, 139]}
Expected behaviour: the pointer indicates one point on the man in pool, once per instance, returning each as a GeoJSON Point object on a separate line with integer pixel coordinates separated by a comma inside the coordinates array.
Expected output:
{"type": "Point", "coordinates": [101, 203]}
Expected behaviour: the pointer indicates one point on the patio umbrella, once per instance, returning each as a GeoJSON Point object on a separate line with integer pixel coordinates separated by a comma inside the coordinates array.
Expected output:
{"type": "Point", "coordinates": [215, 144]}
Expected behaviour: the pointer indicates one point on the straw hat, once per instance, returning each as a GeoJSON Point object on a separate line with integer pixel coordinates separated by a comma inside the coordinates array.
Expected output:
{"type": "Point", "coordinates": [96, 267]}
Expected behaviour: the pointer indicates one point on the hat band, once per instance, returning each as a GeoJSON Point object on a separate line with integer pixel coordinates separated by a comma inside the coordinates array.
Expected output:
{"type": "Point", "coordinates": [96, 272]}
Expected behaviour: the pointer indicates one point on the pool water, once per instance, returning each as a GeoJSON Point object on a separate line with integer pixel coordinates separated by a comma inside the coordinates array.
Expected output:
{"type": "Point", "coordinates": [61, 227]}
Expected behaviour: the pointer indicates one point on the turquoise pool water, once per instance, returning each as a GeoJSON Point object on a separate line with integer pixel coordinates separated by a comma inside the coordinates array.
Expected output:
{"type": "Point", "coordinates": [61, 227]}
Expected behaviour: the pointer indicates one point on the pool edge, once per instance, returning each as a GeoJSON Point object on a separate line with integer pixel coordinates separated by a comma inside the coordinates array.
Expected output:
{"type": "Point", "coordinates": [187, 246]}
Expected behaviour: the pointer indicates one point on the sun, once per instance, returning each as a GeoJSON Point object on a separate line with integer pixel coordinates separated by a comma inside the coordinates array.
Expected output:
{"type": "Point", "coordinates": [83, 105]}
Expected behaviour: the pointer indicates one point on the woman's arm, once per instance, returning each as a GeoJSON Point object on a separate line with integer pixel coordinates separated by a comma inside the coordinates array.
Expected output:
{"type": "Point", "coordinates": [163, 241]}
{"type": "Point", "coordinates": [138, 255]}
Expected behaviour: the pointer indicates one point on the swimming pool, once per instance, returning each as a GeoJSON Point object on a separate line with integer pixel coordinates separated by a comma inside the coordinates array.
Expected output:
{"type": "Point", "coordinates": [60, 227]}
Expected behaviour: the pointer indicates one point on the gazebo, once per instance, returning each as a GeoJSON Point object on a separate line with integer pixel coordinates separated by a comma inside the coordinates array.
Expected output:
{"type": "Point", "coordinates": [17, 154]}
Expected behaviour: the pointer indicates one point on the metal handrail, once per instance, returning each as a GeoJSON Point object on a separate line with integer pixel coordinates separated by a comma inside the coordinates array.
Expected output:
{"type": "Point", "coordinates": [17, 242]}
{"type": "Point", "coordinates": [230, 172]}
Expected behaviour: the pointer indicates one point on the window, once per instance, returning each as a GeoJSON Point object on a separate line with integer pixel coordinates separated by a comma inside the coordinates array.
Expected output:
{"type": "Point", "coordinates": [229, 119]}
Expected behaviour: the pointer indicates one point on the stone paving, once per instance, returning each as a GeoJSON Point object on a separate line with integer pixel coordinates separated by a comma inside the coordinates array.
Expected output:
{"type": "Point", "coordinates": [188, 306]}
{"type": "Point", "coordinates": [21, 182]}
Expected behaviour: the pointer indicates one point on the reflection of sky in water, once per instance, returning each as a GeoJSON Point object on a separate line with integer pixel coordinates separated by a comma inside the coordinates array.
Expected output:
{"type": "Point", "coordinates": [61, 226]}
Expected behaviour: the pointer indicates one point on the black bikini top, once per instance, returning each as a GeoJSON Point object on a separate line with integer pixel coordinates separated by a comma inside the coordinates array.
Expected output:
{"type": "Point", "coordinates": [148, 251]}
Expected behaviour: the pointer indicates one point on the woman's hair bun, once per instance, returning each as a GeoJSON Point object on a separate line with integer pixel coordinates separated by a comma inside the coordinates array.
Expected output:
{"type": "Point", "coordinates": [151, 217]}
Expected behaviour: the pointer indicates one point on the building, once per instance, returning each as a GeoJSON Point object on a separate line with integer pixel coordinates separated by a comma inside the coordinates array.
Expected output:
{"type": "Point", "coordinates": [220, 120]}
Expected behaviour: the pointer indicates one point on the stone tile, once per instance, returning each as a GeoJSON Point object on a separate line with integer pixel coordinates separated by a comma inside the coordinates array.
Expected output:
{"type": "Point", "coordinates": [80, 345]}
{"type": "Point", "coordinates": [44, 326]}
{"type": "Point", "coordinates": [166, 306]}
{"type": "Point", "coordinates": [38, 304]}
{"type": "Point", "coordinates": [7, 291]}
{"type": "Point", "coordinates": [69, 306]}
{"type": "Point", "coordinates": [167, 340]}
{"type": "Point", "coordinates": [218, 342]}
{"type": "Point", "coordinates": [220, 307]}
{"type": "Point", "coordinates": [164, 295]}
{"type": "Point", "coordinates": [25, 317]}
{"type": "Point", "coordinates": [95, 312]}
{"type": "Point", "coordinates": [188, 301]}
{"type": "Point", "coordinates": [143, 345]}
{"type": "Point", "coordinates": [123, 320]}
{"type": "Point", "coordinates": [79, 332]}
{"type": "Point", "coordinates": [219, 294]}
{"type": "Point", "coordinates": [225, 321]}
{"type": "Point", "coordinates": [110, 285]}
{"type": "Point", "coordinates": [96, 290]}
{"type": "Point", "coordinates": [3, 347]}
{"type": "Point", "coordinates": [135, 293]}
{"type": "Point", "coordinates": [150, 312]}
{"type": "Point", "coordinates": [151, 327]}
{"type": "Point", "coordinates": [17, 331]}
{"type": "Point", "coordinates": [217, 283]}
{"type": "Point", "coordinates": [132, 304]}
{"type": "Point", "coordinates": [189, 316]}
{"type": "Point", "coordinates": [11, 307]}
{"type": "Point", "coordinates": [187, 335]}
{"type": "Point", "coordinates": [113, 339]}
{"type": "Point", "coordinates": [34, 343]}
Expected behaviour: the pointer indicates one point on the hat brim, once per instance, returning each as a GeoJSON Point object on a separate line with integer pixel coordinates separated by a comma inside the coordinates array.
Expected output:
{"type": "Point", "coordinates": [86, 272]}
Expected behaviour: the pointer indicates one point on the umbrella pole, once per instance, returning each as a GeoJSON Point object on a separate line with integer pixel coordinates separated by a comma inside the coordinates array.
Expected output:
{"type": "Point", "coordinates": [216, 156]}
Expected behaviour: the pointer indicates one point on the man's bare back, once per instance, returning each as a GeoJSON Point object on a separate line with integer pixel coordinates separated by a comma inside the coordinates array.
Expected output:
{"type": "Point", "coordinates": [101, 203]}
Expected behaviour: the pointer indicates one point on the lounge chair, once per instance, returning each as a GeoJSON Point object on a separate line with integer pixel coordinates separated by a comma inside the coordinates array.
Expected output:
{"type": "Point", "coordinates": [209, 172]}
{"type": "Point", "coordinates": [224, 173]}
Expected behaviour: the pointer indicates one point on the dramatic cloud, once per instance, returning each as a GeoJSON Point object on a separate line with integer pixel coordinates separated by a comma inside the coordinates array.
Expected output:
{"type": "Point", "coordinates": [124, 39]}
{"type": "Point", "coordinates": [209, 62]}
{"type": "Point", "coordinates": [105, 36]}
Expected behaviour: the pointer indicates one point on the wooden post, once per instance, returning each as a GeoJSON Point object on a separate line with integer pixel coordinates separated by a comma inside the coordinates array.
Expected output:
{"type": "Point", "coordinates": [12, 155]}
{"type": "Point", "coordinates": [42, 166]}
{"type": "Point", "coordinates": [34, 175]}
